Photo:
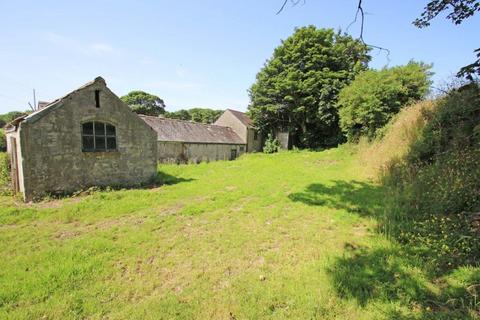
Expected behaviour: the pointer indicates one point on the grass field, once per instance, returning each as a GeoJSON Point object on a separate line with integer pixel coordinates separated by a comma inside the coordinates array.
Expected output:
{"type": "Point", "coordinates": [289, 235]}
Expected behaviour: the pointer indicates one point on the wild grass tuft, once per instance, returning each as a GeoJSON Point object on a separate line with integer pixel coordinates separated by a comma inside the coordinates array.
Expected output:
{"type": "Point", "coordinates": [396, 138]}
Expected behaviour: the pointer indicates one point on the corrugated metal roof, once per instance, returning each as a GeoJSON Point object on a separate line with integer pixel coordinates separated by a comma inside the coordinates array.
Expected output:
{"type": "Point", "coordinates": [242, 117]}
{"type": "Point", "coordinates": [193, 132]}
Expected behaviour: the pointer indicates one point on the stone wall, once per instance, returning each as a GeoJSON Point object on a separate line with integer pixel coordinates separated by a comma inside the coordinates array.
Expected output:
{"type": "Point", "coordinates": [227, 119]}
{"type": "Point", "coordinates": [51, 143]}
{"type": "Point", "coordinates": [182, 152]}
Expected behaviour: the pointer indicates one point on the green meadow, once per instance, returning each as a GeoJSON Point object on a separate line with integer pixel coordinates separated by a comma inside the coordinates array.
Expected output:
{"type": "Point", "coordinates": [290, 235]}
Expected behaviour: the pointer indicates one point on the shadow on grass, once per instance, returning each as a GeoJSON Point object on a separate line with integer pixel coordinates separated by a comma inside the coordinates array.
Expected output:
{"type": "Point", "coordinates": [390, 277]}
{"type": "Point", "coordinates": [353, 196]}
{"type": "Point", "coordinates": [165, 178]}
{"type": "Point", "coordinates": [394, 279]}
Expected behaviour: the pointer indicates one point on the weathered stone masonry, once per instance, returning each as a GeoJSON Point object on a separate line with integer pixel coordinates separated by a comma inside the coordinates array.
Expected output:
{"type": "Point", "coordinates": [50, 145]}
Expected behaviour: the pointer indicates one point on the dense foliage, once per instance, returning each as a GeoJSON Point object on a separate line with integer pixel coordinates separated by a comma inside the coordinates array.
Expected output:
{"type": "Point", "coordinates": [7, 117]}
{"type": "Point", "coordinates": [144, 103]}
{"type": "Point", "coordinates": [203, 115]}
{"type": "Point", "coordinates": [297, 88]}
{"type": "Point", "coordinates": [3, 141]}
{"type": "Point", "coordinates": [370, 101]}
{"type": "Point", "coordinates": [4, 174]}
{"type": "Point", "coordinates": [435, 190]}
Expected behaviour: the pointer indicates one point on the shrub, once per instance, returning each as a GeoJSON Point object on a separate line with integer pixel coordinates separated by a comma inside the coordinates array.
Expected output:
{"type": "Point", "coordinates": [271, 144]}
{"type": "Point", "coordinates": [4, 174]}
{"type": "Point", "coordinates": [374, 97]}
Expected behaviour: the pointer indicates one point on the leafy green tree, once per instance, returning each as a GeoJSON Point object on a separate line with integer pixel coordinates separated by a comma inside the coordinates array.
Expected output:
{"type": "Point", "coordinates": [144, 103]}
{"type": "Point", "coordinates": [181, 114]}
{"type": "Point", "coordinates": [7, 117]}
{"type": "Point", "coordinates": [375, 96]}
{"type": "Point", "coordinates": [298, 86]}
{"type": "Point", "coordinates": [203, 115]}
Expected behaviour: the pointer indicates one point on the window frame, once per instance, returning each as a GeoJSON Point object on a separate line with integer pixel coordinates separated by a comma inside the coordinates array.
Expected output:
{"type": "Point", "coordinates": [94, 136]}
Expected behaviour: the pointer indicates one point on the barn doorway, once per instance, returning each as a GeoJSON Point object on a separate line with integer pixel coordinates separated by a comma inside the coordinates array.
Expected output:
{"type": "Point", "coordinates": [14, 165]}
{"type": "Point", "coordinates": [233, 154]}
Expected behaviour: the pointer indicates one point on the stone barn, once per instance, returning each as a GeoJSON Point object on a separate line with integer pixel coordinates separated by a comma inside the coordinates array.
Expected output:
{"type": "Point", "coordinates": [87, 138]}
{"type": "Point", "coordinates": [243, 126]}
{"type": "Point", "coordinates": [180, 141]}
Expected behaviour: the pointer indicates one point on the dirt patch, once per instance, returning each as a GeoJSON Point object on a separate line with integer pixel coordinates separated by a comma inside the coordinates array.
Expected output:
{"type": "Point", "coordinates": [326, 162]}
{"type": "Point", "coordinates": [79, 230]}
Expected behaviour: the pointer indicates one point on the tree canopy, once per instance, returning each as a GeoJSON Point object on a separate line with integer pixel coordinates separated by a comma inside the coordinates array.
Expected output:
{"type": "Point", "coordinates": [7, 117]}
{"type": "Point", "coordinates": [297, 88]}
{"type": "Point", "coordinates": [203, 115]}
{"type": "Point", "coordinates": [144, 103]}
{"type": "Point", "coordinates": [371, 100]}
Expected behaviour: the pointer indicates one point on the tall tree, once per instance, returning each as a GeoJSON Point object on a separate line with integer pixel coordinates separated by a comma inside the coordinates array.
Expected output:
{"type": "Point", "coordinates": [298, 86]}
{"type": "Point", "coordinates": [144, 103]}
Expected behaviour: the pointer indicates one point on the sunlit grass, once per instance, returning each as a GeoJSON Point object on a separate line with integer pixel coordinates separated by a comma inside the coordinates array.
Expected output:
{"type": "Point", "coordinates": [288, 235]}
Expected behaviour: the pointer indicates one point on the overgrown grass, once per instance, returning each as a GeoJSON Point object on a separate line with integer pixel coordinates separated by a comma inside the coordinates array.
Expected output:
{"type": "Point", "coordinates": [432, 185]}
{"type": "Point", "coordinates": [396, 139]}
{"type": "Point", "coordinates": [288, 235]}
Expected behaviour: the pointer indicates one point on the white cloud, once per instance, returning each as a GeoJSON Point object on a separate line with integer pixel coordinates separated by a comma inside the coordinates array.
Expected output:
{"type": "Point", "coordinates": [176, 85]}
{"type": "Point", "coordinates": [147, 61]}
{"type": "Point", "coordinates": [71, 44]}
{"type": "Point", "coordinates": [181, 72]}
{"type": "Point", "coordinates": [100, 49]}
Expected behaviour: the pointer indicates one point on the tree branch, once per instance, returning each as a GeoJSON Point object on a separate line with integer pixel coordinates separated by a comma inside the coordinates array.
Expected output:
{"type": "Point", "coordinates": [294, 3]}
{"type": "Point", "coordinates": [361, 12]}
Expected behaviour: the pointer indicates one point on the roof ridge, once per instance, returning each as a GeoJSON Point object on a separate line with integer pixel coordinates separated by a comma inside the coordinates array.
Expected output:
{"type": "Point", "coordinates": [186, 121]}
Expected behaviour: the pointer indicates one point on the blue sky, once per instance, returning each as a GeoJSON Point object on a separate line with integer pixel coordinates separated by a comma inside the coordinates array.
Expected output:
{"type": "Point", "coordinates": [195, 53]}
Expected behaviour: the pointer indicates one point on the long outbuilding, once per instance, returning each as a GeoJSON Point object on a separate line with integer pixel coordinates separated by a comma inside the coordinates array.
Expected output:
{"type": "Point", "coordinates": [180, 141]}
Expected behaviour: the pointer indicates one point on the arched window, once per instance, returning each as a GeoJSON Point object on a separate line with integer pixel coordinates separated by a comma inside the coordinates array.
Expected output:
{"type": "Point", "coordinates": [98, 136]}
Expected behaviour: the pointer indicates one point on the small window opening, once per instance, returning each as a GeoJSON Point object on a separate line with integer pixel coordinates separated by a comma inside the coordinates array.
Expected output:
{"type": "Point", "coordinates": [97, 98]}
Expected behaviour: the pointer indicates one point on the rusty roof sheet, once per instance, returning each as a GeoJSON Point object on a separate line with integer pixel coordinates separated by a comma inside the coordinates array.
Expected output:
{"type": "Point", "coordinates": [242, 116]}
{"type": "Point", "coordinates": [193, 132]}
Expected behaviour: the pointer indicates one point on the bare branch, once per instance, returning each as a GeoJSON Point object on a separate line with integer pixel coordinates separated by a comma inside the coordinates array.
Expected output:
{"type": "Point", "coordinates": [283, 6]}
{"type": "Point", "coordinates": [294, 3]}
{"type": "Point", "coordinates": [361, 12]}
